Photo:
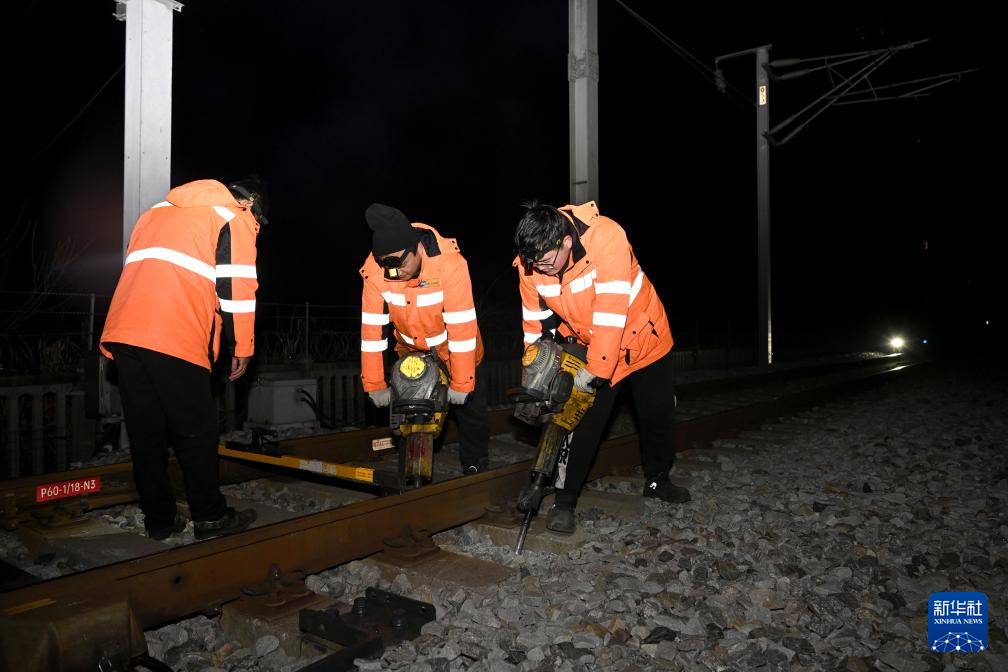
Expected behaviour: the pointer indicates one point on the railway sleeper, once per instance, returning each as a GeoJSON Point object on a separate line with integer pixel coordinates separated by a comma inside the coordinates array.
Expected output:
{"type": "Point", "coordinates": [98, 631]}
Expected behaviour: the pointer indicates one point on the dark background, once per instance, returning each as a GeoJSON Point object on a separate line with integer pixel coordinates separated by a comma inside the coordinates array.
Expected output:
{"type": "Point", "coordinates": [884, 216]}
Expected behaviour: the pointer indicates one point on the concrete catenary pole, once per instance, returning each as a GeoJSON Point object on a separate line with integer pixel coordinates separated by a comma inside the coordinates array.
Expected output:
{"type": "Point", "coordinates": [583, 75]}
{"type": "Point", "coordinates": [764, 339]}
{"type": "Point", "coordinates": [147, 137]}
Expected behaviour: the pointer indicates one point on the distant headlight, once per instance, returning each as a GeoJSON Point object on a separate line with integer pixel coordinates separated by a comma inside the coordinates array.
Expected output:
{"type": "Point", "coordinates": [896, 343]}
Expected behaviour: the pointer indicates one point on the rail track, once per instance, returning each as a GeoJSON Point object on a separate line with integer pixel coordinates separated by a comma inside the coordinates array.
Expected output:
{"type": "Point", "coordinates": [19, 498]}
{"type": "Point", "coordinates": [185, 580]}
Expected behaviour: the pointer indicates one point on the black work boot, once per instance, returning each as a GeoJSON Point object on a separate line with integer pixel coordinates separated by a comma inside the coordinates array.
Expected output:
{"type": "Point", "coordinates": [560, 518]}
{"type": "Point", "coordinates": [232, 521]}
{"type": "Point", "coordinates": [162, 533]}
{"type": "Point", "coordinates": [665, 490]}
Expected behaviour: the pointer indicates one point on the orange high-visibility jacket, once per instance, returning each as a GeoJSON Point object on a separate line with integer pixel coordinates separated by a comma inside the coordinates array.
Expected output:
{"type": "Point", "coordinates": [602, 298]}
{"type": "Point", "coordinates": [189, 273]}
{"type": "Point", "coordinates": [433, 310]}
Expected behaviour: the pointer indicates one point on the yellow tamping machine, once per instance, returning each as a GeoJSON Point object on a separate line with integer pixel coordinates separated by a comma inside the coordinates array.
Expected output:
{"type": "Point", "coordinates": [547, 397]}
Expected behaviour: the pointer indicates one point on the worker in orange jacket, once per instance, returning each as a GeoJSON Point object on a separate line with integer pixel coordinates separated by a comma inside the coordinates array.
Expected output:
{"type": "Point", "coordinates": [579, 277]}
{"type": "Point", "coordinates": [417, 283]}
{"type": "Point", "coordinates": [189, 278]}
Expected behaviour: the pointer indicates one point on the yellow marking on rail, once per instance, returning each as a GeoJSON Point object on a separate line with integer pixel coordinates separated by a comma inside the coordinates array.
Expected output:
{"type": "Point", "coordinates": [28, 606]}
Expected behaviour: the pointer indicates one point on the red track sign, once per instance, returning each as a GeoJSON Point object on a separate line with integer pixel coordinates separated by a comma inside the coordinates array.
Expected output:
{"type": "Point", "coordinates": [80, 486]}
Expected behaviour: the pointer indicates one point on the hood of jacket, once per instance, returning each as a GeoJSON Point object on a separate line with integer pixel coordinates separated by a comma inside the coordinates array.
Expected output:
{"type": "Point", "coordinates": [201, 193]}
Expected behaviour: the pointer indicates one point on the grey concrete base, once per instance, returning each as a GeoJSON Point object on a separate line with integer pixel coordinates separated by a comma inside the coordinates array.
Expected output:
{"type": "Point", "coordinates": [618, 505]}
{"type": "Point", "coordinates": [246, 621]}
{"type": "Point", "coordinates": [538, 539]}
{"type": "Point", "coordinates": [440, 568]}
{"type": "Point", "coordinates": [265, 515]}
{"type": "Point", "coordinates": [92, 543]}
{"type": "Point", "coordinates": [613, 503]}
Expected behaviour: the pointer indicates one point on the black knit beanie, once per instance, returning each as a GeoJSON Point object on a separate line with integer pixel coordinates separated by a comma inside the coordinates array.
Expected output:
{"type": "Point", "coordinates": [392, 231]}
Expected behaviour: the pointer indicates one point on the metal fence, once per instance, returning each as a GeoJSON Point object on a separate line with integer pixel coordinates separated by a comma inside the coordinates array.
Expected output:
{"type": "Point", "coordinates": [43, 428]}
{"type": "Point", "coordinates": [49, 416]}
{"type": "Point", "coordinates": [51, 331]}
{"type": "Point", "coordinates": [341, 399]}
{"type": "Point", "coordinates": [331, 333]}
{"type": "Point", "coordinates": [47, 332]}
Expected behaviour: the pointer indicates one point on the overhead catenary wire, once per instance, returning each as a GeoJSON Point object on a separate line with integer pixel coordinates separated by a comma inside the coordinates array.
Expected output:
{"type": "Point", "coordinates": [14, 26]}
{"type": "Point", "coordinates": [791, 62]}
{"type": "Point", "coordinates": [917, 93]}
{"type": "Point", "coordinates": [848, 91]}
{"type": "Point", "coordinates": [829, 61]}
{"type": "Point", "coordinates": [829, 65]}
{"type": "Point", "coordinates": [79, 113]}
{"type": "Point", "coordinates": [699, 66]}
{"type": "Point", "coordinates": [845, 85]}
{"type": "Point", "coordinates": [872, 96]}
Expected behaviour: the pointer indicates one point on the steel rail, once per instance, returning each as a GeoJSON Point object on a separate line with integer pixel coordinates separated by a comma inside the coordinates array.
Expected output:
{"type": "Point", "coordinates": [18, 495]}
{"type": "Point", "coordinates": [199, 577]}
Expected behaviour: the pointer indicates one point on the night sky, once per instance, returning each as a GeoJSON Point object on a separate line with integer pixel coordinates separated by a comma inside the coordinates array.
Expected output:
{"type": "Point", "coordinates": [883, 215]}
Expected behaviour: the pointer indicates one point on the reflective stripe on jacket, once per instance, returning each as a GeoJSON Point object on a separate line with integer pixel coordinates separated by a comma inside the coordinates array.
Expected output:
{"type": "Point", "coordinates": [189, 273]}
{"type": "Point", "coordinates": [435, 310]}
{"type": "Point", "coordinates": [602, 298]}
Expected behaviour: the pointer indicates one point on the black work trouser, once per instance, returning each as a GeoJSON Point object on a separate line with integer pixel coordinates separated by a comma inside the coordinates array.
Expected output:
{"type": "Point", "coordinates": [167, 402]}
{"type": "Point", "coordinates": [653, 389]}
{"type": "Point", "coordinates": [474, 428]}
